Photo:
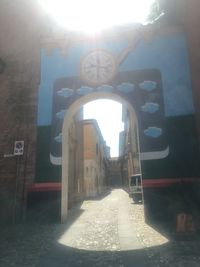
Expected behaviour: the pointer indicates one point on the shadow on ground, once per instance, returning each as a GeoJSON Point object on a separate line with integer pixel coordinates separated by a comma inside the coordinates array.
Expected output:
{"type": "Point", "coordinates": [64, 256]}
{"type": "Point", "coordinates": [36, 244]}
{"type": "Point", "coordinates": [171, 254]}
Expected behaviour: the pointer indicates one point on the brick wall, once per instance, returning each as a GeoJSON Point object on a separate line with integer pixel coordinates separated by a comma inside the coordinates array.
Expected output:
{"type": "Point", "coordinates": [19, 49]}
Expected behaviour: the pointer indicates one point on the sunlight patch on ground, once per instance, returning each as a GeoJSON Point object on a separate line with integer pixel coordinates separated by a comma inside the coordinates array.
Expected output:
{"type": "Point", "coordinates": [98, 227]}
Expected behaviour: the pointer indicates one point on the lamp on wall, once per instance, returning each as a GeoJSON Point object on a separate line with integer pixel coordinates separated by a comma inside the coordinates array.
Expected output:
{"type": "Point", "coordinates": [2, 65]}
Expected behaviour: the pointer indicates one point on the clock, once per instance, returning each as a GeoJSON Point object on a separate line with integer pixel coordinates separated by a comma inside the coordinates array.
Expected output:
{"type": "Point", "coordinates": [98, 67]}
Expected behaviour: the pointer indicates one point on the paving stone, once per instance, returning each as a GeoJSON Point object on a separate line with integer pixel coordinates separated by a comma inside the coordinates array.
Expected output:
{"type": "Point", "coordinates": [109, 232]}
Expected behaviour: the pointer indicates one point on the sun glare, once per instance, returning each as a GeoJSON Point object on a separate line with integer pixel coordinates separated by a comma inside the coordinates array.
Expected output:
{"type": "Point", "coordinates": [95, 15]}
{"type": "Point", "coordinates": [110, 123]}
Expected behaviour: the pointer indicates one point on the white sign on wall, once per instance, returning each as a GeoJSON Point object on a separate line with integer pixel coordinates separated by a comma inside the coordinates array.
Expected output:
{"type": "Point", "coordinates": [19, 148]}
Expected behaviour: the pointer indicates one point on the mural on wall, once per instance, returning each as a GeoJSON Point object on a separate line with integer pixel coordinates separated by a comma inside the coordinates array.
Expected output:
{"type": "Point", "coordinates": [154, 77]}
{"type": "Point", "coordinates": [143, 89]}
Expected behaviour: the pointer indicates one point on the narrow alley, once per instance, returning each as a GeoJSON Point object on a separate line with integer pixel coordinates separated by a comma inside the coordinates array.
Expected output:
{"type": "Point", "coordinates": [107, 232]}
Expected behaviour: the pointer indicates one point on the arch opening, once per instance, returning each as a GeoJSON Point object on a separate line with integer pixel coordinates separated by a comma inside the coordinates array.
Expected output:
{"type": "Point", "coordinates": [73, 109]}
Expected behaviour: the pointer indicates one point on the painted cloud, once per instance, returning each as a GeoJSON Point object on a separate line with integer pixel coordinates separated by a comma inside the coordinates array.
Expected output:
{"type": "Point", "coordinates": [150, 107]}
{"type": "Point", "coordinates": [148, 85]}
{"type": "Point", "coordinates": [126, 87]}
{"type": "Point", "coordinates": [58, 138]}
{"type": "Point", "coordinates": [154, 132]}
{"type": "Point", "coordinates": [65, 92]}
{"type": "Point", "coordinates": [84, 90]}
{"type": "Point", "coordinates": [61, 114]}
{"type": "Point", "coordinates": [105, 88]}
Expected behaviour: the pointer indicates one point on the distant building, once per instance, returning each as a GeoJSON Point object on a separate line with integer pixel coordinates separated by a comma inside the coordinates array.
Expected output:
{"type": "Point", "coordinates": [121, 143]}
{"type": "Point", "coordinates": [95, 159]}
{"type": "Point", "coordinates": [115, 177]}
{"type": "Point", "coordinates": [107, 151]}
{"type": "Point", "coordinates": [128, 148]}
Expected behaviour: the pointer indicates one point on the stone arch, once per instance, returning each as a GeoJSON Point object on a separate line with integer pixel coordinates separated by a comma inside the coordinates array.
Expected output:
{"type": "Point", "coordinates": [73, 108]}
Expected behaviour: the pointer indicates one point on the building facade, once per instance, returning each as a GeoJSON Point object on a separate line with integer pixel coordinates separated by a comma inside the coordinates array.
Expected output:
{"type": "Point", "coordinates": [129, 148]}
{"type": "Point", "coordinates": [115, 175]}
{"type": "Point", "coordinates": [95, 159]}
{"type": "Point", "coordinates": [37, 61]}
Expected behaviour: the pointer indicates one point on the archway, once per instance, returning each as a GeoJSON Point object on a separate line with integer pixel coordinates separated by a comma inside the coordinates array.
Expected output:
{"type": "Point", "coordinates": [147, 78]}
{"type": "Point", "coordinates": [65, 140]}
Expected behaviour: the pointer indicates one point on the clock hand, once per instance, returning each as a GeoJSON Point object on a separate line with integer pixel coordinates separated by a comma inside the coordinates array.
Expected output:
{"type": "Point", "coordinates": [101, 67]}
{"type": "Point", "coordinates": [96, 66]}
{"type": "Point", "coordinates": [98, 69]}
{"type": "Point", "coordinates": [132, 42]}
{"type": "Point", "coordinates": [90, 66]}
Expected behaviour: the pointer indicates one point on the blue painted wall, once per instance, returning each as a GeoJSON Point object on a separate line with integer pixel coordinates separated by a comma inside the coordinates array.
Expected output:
{"type": "Point", "coordinates": [165, 54]}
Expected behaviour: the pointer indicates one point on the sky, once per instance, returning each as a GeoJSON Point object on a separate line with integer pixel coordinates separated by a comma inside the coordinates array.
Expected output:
{"type": "Point", "coordinates": [108, 114]}
{"type": "Point", "coordinates": [92, 16]}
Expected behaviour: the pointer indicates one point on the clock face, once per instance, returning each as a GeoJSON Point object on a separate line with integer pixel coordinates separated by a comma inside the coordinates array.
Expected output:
{"type": "Point", "coordinates": [98, 67]}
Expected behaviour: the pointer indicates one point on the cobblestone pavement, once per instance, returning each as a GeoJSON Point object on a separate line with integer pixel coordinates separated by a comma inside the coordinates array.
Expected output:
{"type": "Point", "coordinates": [164, 252]}
{"type": "Point", "coordinates": [107, 232]}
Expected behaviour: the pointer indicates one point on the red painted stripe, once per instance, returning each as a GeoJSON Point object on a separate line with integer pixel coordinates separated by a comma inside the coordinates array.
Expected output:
{"type": "Point", "coordinates": [168, 181]}
{"type": "Point", "coordinates": [41, 187]}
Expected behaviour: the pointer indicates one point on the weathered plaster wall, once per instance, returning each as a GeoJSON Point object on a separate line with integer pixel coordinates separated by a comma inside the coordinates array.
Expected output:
{"type": "Point", "coordinates": [94, 157]}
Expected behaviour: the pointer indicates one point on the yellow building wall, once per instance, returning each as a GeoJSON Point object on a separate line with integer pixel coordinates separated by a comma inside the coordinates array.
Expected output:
{"type": "Point", "coordinates": [94, 169]}
{"type": "Point", "coordinates": [90, 140]}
